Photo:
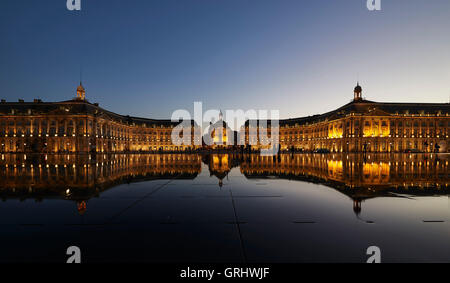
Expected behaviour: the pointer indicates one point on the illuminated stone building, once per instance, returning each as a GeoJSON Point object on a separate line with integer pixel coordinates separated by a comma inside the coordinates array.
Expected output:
{"type": "Point", "coordinates": [79, 126]}
{"type": "Point", "coordinates": [364, 125]}
{"type": "Point", "coordinates": [220, 135]}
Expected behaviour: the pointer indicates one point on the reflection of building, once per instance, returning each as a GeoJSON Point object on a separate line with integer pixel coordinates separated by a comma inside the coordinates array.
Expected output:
{"type": "Point", "coordinates": [364, 125]}
{"type": "Point", "coordinates": [81, 207]}
{"type": "Point", "coordinates": [220, 165]}
{"type": "Point", "coordinates": [79, 126]}
{"type": "Point", "coordinates": [81, 177]}
{"type": "Point", "coordinates": [357, 176]}
{"type": "Point", "coordinates": [375, 171]}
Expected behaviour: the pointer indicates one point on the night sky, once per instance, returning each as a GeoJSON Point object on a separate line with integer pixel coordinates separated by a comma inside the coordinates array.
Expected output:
{"type": "Point", "coordinates": [148, 58]}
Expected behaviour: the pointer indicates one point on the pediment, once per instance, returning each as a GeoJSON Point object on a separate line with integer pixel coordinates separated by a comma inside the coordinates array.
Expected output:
{"type": "Point", "coordinates": [106, 116]}
{"type": "Point", "coordinates": [57, 111]}
{"type": "Point", "coordinates": [377, 112]}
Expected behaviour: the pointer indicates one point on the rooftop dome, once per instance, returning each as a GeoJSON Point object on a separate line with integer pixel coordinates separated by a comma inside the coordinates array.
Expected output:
{"type": "Point", "coordinates": [81, 93]}
{"type": "Point", "coordinates": [357, 93]}
{"type": "Point", "coordinates": [80, 87]}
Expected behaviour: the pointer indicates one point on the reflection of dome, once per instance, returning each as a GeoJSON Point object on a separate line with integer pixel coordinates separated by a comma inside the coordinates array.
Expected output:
{"type": "Point", "coordinates": [219, 166]}
{"type": "Point", "coordinates": [357, 206]}
{"type": "Point", "coordinates": [81, 207]}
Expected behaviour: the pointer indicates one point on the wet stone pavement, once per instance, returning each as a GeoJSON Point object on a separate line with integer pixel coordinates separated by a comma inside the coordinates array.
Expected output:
{"type": "Point", "coordinates": [225, 208]}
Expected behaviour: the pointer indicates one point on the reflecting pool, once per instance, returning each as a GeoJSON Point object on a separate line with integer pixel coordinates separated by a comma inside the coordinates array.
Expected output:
{"type": "Point", "coordinates": [225, 207]}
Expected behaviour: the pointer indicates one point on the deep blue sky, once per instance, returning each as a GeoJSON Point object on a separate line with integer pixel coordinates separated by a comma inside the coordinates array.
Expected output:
{"type": "Point", "coordinates": [148, 58]}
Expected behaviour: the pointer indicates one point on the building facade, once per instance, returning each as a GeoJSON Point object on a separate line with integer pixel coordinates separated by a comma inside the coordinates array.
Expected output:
{"type": "Point", "coordinates": [78, 126]}
{"type": "Point", "coordinates": [219, 136]}
{"type": "Point", "coordinates": [365, 126]}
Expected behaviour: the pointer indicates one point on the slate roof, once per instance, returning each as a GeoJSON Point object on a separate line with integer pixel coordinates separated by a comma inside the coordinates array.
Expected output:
{"type": "Point", "coordinates": [76, 107]}
{"type": "Point", "coordinates": [367, 107]}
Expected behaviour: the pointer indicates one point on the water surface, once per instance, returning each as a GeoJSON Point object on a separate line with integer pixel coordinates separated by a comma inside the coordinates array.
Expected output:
{"type": "Point", "coordinates": [225, 207]}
